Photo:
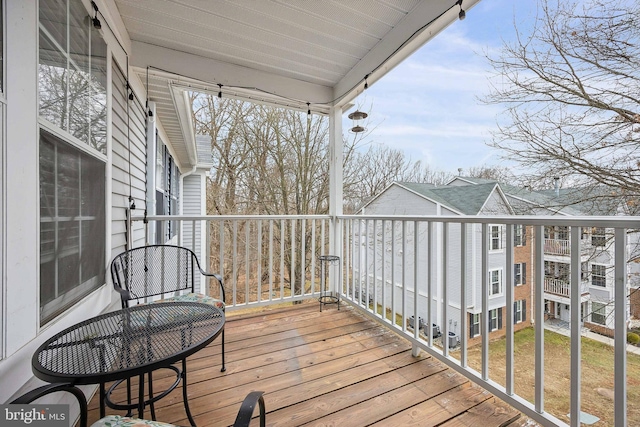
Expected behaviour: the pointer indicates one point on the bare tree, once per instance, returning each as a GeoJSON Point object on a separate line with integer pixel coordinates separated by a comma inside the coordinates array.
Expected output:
{"type": "Point", "coordinates": [571, 93]}
{"type": "Point", "coordinates": [380, 166]}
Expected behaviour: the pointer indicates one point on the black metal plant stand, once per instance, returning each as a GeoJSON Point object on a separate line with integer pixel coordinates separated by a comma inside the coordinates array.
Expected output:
{"type": "Point", "coordinates": [327, 296]}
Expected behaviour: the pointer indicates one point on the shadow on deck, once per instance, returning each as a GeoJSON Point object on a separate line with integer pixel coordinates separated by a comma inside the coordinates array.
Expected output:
{"type": "Point", "coordinates": [331, 368]}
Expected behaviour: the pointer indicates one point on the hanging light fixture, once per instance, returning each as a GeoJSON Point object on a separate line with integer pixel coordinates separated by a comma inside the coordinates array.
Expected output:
{"type": "Point", "coordinates": [462, 14]}
{"type": "Point", "coordinates": [96, 22]}
{"type": "Point", "coordinates": [356, 116]}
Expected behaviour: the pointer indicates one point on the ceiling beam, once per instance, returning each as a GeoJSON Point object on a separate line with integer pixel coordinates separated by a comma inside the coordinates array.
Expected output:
{"type": "Point", "coordinates": [206, 70]}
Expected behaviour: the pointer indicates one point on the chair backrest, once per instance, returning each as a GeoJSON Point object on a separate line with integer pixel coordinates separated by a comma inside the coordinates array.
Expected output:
{"type": "Point", "coordinates": [153, 270]}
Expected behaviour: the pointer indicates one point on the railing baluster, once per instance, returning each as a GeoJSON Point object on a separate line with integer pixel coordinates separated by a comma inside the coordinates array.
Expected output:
{"type": "Point", "coordinates": [509, 285]}
{"type": "Point", "coordinates": [282, 226]}
{"type": "Point", "coordinates": [247, 274]}
{"type": "Point", "coordinates": [463, 295]}
{"type": "Point", "coordinates": [445, 293]}
{"type": "Point", "coordinates": [404, 276]}
{"type": "Point", "coordinates": [313, 256]}
{"type": "Point", "coordinates": [234, 267]}
{"type": "Point", "coordinates": [383, 270]}
{"type": "Point", "coordinates": [430, 230]}
{"type": "Point", "coordinates": [485, 318]}
{"type": "Point", "coordinates": [393, 272]}
{"type": "Point", "coordinates": [416, 290]}
{"type": "Point", "coordinates": [259, 260]}
{"type": "Point", "coordinates": [539, 320]}
{"type": "Point", "coordinates": [576, 324]}
{"type": "Point", "coordinates": [270, 260]}
{"type": "Point", "coordinates": [620, 336]}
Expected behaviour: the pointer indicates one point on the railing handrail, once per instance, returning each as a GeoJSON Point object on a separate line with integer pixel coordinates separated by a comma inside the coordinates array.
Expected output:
{"type": "Point", "coordinates": [543, 220]}
{"type": "Point", "coordinates": [223, 217]}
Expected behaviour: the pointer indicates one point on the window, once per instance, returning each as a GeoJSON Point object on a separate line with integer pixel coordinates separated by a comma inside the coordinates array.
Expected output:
{"type": "Point", "coordinates": [72, 73]}
{"type": "Point", "coordinates": [474, 325]}
{"type": "Point", "coordinates": [520, 273]}
{"type": "Point", "coordinates": [584, 271]}
{"type": "Point", "coordinates": [519, 311]}
{"type": "Point", "coordinates": [562, 233]}
{"type": "Point", "coordinates": [495, 282]}
{"type": "Point", "coordinates": [167, 175]}
{"type": "Point", "coordinates": [496, 237]}
{"type": "Point", "coordinates": [520, 235]}
{"type": "Point", "coordinates": [72, 225]}
{"type": "Point", "coordinates": [598, 275]}
{"type": "Point", "coordinates": [72, 81]}
{"type": "Point", "coordinates": [599, 313]}
{"type": "Point", "coordinates": [598, 237]}
{"type": "Point", "coordinates": [584, 233]}
{"type": "Point", "coordinates": [495, 319]}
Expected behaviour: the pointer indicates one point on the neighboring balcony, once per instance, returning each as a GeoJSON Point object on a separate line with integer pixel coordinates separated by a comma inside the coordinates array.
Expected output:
{"type": "Point", "coordinates": [562, 287]}
{"type": "Point", "coordinates": [562, 247]}
{"type": "Point", "coordinates": [271, 260]}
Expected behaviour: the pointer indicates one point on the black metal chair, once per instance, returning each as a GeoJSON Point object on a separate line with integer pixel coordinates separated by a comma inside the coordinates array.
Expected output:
{"type": "Point", "coordinates": [158, 273]}
{"type": "Point", "coordinates": [243, 419]}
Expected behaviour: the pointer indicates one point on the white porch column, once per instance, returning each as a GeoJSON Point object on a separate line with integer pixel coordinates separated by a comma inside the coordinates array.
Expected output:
{"type": "Point", "coordinates": [335, 187]}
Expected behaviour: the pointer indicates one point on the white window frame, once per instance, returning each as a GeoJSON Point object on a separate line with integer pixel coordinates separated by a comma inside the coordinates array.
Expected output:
{"type": "Point", "coordinates": [598, 236]}
{"type": "Point", "coordinates": [518, 273]}
{"type": "Point", "coordinates": [519, 235]}
{"type": "Point", "coordinates": [475, 324]}
{"type": "Point", "coordinates": [600, 310]}
{"type": "Point", "coordinates": [65, 300]}
{"type": "Point", "coordinates": [493, 317]}
{"type": "Point", "coordinates": [495, 236]}
{"type": "Point", "coordinates": [599, 276]}
{"type": "Point", "coordinates": [498, 282]}
{"type": "Point", "coordinates": [518, 311]}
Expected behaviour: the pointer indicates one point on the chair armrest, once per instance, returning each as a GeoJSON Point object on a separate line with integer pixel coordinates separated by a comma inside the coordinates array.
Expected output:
{"type": "Point", "coordinates": [219, 279]}
{"type": "Point", "coordinates": [53, 388]}
{"type": "Point", "coordinates": [246, 410]}
{"type": "Point", "coordinates": [125, 295]}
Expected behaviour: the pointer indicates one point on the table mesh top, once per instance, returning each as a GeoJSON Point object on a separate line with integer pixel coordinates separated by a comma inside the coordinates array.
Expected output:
{"type": "Point", "coordinates": [129, 339]}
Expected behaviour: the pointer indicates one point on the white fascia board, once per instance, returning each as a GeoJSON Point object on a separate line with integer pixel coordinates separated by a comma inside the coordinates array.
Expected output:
{"type": "Point", "coordinates": [183, 111]}
{"type": "Point", "coordinates": [233, 77]}
{"type": "Point", "coordinates": [400, 43]}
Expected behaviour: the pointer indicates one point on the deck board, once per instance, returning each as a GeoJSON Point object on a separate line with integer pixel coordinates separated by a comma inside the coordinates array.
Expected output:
{"type": "Point", "coordinates": [329, 368]}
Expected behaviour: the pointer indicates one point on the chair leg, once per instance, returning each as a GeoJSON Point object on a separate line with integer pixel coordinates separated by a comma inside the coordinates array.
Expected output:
{"type": "Point", "coordinates": [224, 368]}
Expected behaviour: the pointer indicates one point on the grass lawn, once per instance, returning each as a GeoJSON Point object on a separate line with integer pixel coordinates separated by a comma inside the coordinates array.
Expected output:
{"type": "Point", "coordinates": [597, 374]}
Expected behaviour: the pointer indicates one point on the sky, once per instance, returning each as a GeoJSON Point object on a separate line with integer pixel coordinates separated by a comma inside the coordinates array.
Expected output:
{"type": "Point", "coordinates": [429, 107]}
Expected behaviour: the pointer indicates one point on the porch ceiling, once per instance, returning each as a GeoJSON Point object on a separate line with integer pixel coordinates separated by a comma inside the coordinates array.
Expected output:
{"type": "Point", "coordinates": [282, 52]}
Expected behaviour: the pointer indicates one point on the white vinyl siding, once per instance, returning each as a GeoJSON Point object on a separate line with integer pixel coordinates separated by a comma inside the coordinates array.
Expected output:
{"type": "Point", "coordinates": [128, 163]}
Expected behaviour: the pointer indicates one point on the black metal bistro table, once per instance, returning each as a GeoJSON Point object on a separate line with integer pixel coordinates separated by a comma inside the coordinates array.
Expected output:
{"type": "Point", "coordinates": [130, 342]}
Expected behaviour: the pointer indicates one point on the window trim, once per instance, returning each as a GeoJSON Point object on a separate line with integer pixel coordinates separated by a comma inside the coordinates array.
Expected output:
{"type": "Point", "coordinates": [519, 235]}
{"type": "Point", "coordinates": [518, 311]}
{"type": "Point", "coordinates": [520, 277]}
{"type": "Point", "coordinates": [598, 236]}
{"type": "Point", "coordinates": [474, 325]}
{"type": "Point", "coordinates": [601, 277]}
{"type": "Point", "coordinates": [495, 239]}
{"type": "Point", "coordinates": [499, 282]}
{"type": "Point", "coordinates": [600, 311]}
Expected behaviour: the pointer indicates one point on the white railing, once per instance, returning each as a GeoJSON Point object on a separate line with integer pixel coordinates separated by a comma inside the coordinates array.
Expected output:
{"type": "Point", "coordinates": [557, 247]}
{"type": "Point", "coordinates": [562, 247]}
{"type": "Point", "coordinates": [388, 260]}
{"type": "Point", "coordinates": [562, 287]}
{"type": "Point", "coordinates": [263, 259]}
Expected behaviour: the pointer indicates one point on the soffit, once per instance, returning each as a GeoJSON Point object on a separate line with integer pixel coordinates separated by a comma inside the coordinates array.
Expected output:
{"type": "Point", "coordinates": [279, 52]}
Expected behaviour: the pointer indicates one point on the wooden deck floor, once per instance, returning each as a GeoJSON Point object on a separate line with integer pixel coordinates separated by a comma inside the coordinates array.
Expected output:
{"type": "Point", "coordinates": [332, 368]}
